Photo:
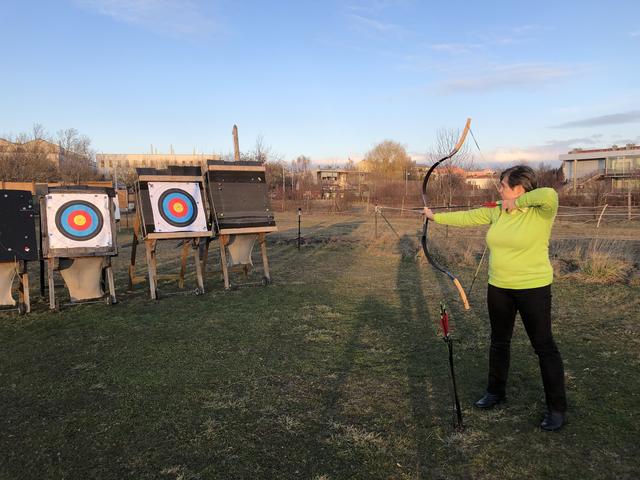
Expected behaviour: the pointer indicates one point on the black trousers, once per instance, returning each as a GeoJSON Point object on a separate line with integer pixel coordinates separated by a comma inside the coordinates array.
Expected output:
{"type": "Point", "coordinates": [534, 305]}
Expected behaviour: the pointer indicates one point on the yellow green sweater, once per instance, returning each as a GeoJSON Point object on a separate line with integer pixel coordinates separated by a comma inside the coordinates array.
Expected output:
{"type": "Point", "coordinates": [518, 241]}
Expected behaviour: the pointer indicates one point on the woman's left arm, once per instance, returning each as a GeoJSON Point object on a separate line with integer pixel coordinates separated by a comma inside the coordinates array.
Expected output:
{"type": "Point", "coordinates": [545, 199]}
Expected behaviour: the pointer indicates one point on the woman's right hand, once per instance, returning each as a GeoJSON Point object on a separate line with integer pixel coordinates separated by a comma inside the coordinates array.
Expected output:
{"type": "Point", "coordinates": [427, 213]}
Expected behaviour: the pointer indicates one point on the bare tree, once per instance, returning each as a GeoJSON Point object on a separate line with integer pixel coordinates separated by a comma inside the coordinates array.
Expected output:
{"type": "Point", "coordinates": [350, 165]}
{"type": "Point", "coordinates": [77, 157]}
{"type": "Point", "coordinates": [38, 132]}
{"type": "Point", "coordinates": [301, 172]}
{"type": "Point", "coordinates": [276, 175]}
{"type": "Point", "coordinates": [549, 177]}
{"type": "Point", "coordinates": [28, 157]}
{"type": "Point", "coordinates": [450, 176]}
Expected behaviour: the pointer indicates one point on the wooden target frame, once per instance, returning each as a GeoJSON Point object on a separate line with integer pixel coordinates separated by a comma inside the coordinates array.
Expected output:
{"type": "Point", "coordinates": [147, 230]}
{"type": "Point", "coordinates": [18, 240]}
{"type": "Point", "coordinates": [79, 214]}
{"type": "Point", "coordinates": [239, 205]}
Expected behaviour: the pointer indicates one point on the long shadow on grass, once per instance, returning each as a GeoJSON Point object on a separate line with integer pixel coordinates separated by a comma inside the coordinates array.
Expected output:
{"type": "Point", "coordinates": [417, 370]}
{"type": "Point", "coordinates": [425, 362]}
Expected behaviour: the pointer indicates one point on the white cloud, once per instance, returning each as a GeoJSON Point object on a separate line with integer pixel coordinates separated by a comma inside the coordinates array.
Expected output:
{"type": "Point", "coordinates": [632, 116]}
{"type": "Point", "coordinates": [547, 152]}
{"type": "Point", "coordinates": [376, 26]}
{"type": "Point", "coordinates": [376, 6]}
{"type": "Point", "coordinates": [336, 161]}
{"type": "Point", "coordinates": [455, 48]}
{"type": "Point", "coordinates": [506, 76]}
{"type": "Point", "coordinates": [180, 18]}
{"type": "Point", "coordinates": [635, 34]}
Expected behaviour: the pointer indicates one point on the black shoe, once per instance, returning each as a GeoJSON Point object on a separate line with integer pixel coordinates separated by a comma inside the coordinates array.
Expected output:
{"type": "Point", "coordinates": [489, 400]}
{"type": "Point", "coordinates": [553, 421]}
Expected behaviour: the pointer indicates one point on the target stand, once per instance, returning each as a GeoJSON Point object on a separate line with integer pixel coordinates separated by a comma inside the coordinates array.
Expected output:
{"type": "Point", "coordinates": [78, 241]}
{"type": "Point", "coordinates": [18, 246]}
{"type": "Point", "coordinates": [240, 214]}
{"type": "Point", "coordinates": [170, 205]}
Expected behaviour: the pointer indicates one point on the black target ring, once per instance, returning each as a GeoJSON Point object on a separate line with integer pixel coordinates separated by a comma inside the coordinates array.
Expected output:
{"type": "Point", "coordinates": [177, 207]}
{"type": "Point", "coordinates": [79, 220]}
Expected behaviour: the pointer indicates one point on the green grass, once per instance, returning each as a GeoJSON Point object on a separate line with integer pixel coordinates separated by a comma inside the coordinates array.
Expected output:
{"type": "Point", "coordinates": [334, 371]}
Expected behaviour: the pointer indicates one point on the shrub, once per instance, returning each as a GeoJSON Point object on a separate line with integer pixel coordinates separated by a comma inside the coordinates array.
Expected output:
{"type": "Point", "coordinates": [602, 267]}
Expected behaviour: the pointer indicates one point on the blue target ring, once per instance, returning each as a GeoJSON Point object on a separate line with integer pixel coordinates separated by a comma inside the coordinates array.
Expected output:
{"type": "Point", "coordinates": [79, 220]}
{"type": "Point", "coordinates": [177, 207]}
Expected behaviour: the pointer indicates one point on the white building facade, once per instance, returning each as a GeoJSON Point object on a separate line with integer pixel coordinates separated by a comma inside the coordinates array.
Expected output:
{"type": "Point", "coordinates": [619, 165]}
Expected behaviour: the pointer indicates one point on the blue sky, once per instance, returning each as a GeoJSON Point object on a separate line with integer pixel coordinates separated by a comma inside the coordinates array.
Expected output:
{"type": "Point", "coordinates": [327, 79]}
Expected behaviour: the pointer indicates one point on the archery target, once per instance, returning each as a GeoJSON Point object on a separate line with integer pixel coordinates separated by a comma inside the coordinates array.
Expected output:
{"type": "Point", "coordinates": [177, 207]}
{"type": "Point", "coordinates": [78, 220]}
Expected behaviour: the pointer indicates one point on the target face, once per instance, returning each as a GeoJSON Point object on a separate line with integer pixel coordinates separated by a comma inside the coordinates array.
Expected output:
{"type": "Point", "coordinates": [79, 220]}
{"type": "Point", "coordinates": [177, 207]}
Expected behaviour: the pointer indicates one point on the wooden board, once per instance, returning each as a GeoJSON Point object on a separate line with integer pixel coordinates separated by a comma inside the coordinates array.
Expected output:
{"type": "Point", "coordinates": [237, 168]}
{"type": "Point", "coordinates": [170, 178]}
{"type": "Point", "coordinates": [239, 231]}
{"type": "Point", "coordinates": [160, 236]}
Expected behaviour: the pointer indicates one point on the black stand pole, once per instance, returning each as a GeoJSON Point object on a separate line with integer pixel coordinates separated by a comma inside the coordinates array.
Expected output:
{"type": "Point", "coordinates": [299, 219]}
{"type": "Point", "coordinates": [459, 423]}
{"type": "Point", "coordinates": [41, 262]}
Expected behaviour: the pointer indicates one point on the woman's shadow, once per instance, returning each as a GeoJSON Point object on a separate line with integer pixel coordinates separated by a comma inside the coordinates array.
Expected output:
{"type": "Point", "coordinates": [426, 359]}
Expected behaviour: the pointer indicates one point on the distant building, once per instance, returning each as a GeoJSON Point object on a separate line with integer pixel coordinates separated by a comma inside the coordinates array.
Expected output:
{"type": "Point", "coordinates": [481, 179]}
{"type": "Point", "coordinates": [107, 162]}
{"type": "Point", "coordinates": [618, 165]}
{"type": "Point", "coordinates": [53, 152]}
{"type": "Point", "coordinates": [332, 180]}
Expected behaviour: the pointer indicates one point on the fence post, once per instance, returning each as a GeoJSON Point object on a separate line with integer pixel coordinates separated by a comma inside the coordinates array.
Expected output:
{"type": "Point", "coordinates": [601, 213]}
{"type": "Point", "coordinates": [446, 229]}
{"type": "Point", "coordinates": [299, 218]}
{"type": "Point", "coordinates": [629, 204]}
{"type": "Point", "coordinates": [375, 216]}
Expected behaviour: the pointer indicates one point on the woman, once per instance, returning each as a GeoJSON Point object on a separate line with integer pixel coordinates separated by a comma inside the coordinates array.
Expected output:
{"type": "Point", "coordinates": [520, 277]}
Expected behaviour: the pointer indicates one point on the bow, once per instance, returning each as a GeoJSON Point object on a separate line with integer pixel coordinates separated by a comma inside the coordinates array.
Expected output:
{"type": "Point", "coordinates": [425, 225]}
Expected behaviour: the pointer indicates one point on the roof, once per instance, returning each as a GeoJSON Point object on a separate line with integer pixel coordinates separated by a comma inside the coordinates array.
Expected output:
{"type": "Point", "coordinates": [38, 142]}
{"type": "Point", "coordinates": [600, 153]}
{"type": "Point", "coordinates": [613, 148]}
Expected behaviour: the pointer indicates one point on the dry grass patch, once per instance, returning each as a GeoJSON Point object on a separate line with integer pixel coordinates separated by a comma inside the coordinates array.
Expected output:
{"type": "Point", "coordinates": [601, 267]}
{"type": "Point", "coordinates": [601, 261]}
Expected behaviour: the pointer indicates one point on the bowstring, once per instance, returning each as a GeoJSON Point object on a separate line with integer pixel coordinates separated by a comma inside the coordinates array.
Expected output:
{"type": "Point", "coordinates": [493, 181]}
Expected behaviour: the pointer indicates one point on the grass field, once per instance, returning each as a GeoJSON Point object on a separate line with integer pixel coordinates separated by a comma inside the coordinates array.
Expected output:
{"type": "Point", "coordinates": [335, 371]}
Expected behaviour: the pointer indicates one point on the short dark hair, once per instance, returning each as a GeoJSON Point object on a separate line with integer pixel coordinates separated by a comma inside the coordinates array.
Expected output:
{"type": "Point", "coordinates": [520, 175]}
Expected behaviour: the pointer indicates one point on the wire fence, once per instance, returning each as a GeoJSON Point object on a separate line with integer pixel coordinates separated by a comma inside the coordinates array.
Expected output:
{"type": "Point", "coordinates": [598, 214]}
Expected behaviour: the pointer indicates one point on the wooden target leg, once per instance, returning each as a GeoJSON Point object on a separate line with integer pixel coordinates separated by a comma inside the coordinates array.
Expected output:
{"type": "Point", "coordinates": [265, 260]}
{"type": "Point", "coordinates": [112, 285]}
{"type": "Point", "coordinates": [41, 262]}
{"type": "Point", "coordinates": [150, 251]}
{"type": "Point", "coordinates": [52, 286]}
{"type": "Point", "coordinates": [199, 276]}
{"type": "Point", "coordinates": [223, 260]}
{"type": "Point", "coordinates": [204, 255]}
{"type": "Point", "coordinates": [183, 263]}
{"type": "Point", "coordinates": [24, 288]}
{"type": "Point", "coordinates": [134, 251]}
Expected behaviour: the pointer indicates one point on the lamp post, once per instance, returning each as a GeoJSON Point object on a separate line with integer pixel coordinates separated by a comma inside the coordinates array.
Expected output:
{"type": "Point", "coordinates": [406, 181]}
